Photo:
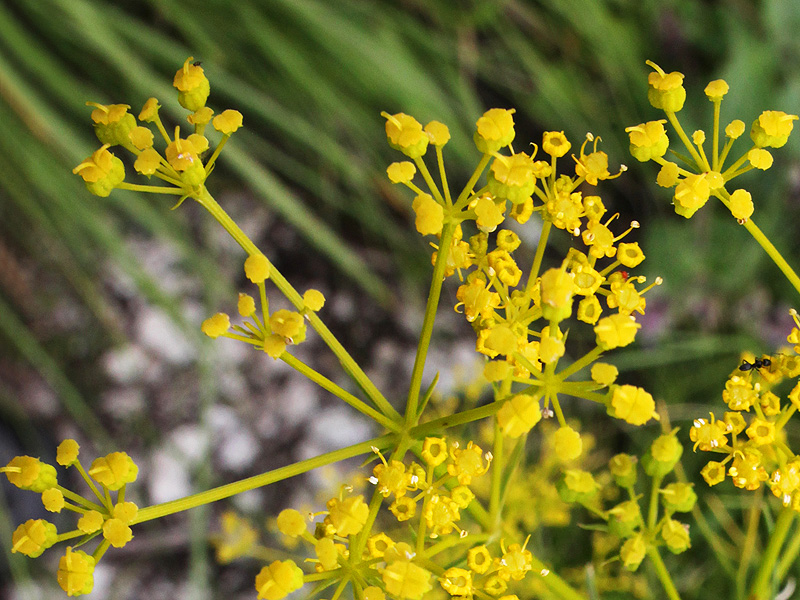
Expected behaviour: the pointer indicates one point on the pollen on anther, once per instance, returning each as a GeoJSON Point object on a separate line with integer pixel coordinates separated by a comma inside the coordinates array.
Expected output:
{"type": "Point", "coordinates": [635, 224]}
{"type": "Point", "coordinates": [544, 572]}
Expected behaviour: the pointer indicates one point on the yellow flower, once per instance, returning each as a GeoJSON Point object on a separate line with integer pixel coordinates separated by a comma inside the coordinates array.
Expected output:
{"type": "Point", "coordinates": [648, 140]}
{"type": "Point", "coordinates": [761, 432]}
{"type": "Point", "coordinates": [630, 254]}
{"type": "Point", "coordinates": [291, 522]}
{"type": "Point", "coordinates": [519, 414]}
{"type": "Point", "coordinates": [246, 305]}
{"type": "Point", "coordinates": [141, 137]}
{"type": "Point", "coordinates": [117, 533]}
{"type": "Point", "coordinates": [30, 473]}
{"type": "Point", "coordinates": [405, 134]}
{"type": "Point", "coordinates": [633, 551]}
{"type": "Point", "coordinates": [256, 268]}
{"type": "Point", "coordinates": [604, 373]}
{"type": "Point", "coordinates": [216, 326]}
{"type": "Point", "coordinates": [555, 143]}
{"type": "Point", "coordinates": [516, 563]}
{"type": "Point", "coordinates": [125, 511]}
{"type": "Point", "coordinates": [676, 535]}
{"type": "Point", "coordinates": [716, 89]}
{"type": "Point", "coordinates": [228, 121]}
{"type": "Point", "coordinates": [511, 177]}
{"type": "Point", "coordinates": [495, 130]}
{"type": "Point", "coordinates": [667, 175]}
{"type": "Point", "coordinates": [735, 129]}
{"type": "Point", "coordinates": [746, 471]}
{"type": "Point", "coordinates": [557, 288]}
{"type": "Point", "coordinates": [772, 129]}
{"type": "Point", "coordinates": [75, 572]}
{"type": "Point", "coordinates": [430, 215]}
{"type": "Point", "coordinates": [401, 172]}
{"type": "Point", "coordinates": [313, 300]}
{"type": "Point", "coordinates": [149, 112]}
{"type": "Point", "coordinates": [616, 331]}
{"type": "Point", "coordinates": [201, 117]}
{"type": "Point", "coordinates": [456, 582]}
{"type": "Point", "coordinates": [403, 508]}
{"type": "Point", "coordinates": [467, 463]}
{"type": "Point", "coordinates": [274, 345]}
{"type": "Point", "coordinates": [378, 544]}
{"type": "Point", "coordinates": [623, 468]}
{"type": "Point", "coordinates": [760, 158]}
{"type": "Point", "coordinates": [438, 133]}
{"type": "Point", "coordinates": [53, 500]}
{"type": "Point", "coordinates": [288, 324]}
{"type": "Point", "coordinates": [113, 123]}
{"type": "Point", "coordinates": [479, 559]}
{"type": "Point", "coordinates": [666, 90]}
{"type": "Point", "coordinates": [632, 404]}
{"type": "Point", "coordinates": [147, 162]}
{"type": "Point", "coordinates": [577, 486]}
{"type": "Point", "coordinates": [114, 470]}
{"type": "Point", "coordinates": [434, 451]}
{"type": "Point", "coordinates": [713, 472]}
{"type": "Point", "coordinates": [691, 194]}
{"type": "Point", "coordinates": [589, 310]}
{"type": "Point", "coordinates": [405, 580]}
{"type": "Point", "coordinates": [278, 580]}
{"type": "Point", "coordinates": [567, 443]}
{"type": "Point", "coordinates": [347, 516]}
{"type": "Point", "coordinates": [678, 497]}
{"type": "Point", "coordinates": [488, 213]}
{"type": "Point", "coordinates": [741, 205]}
{"type": "Point", "coordinates": [67, 452]}
{"type": "Point", "coordinates": [181, 154]}
{"type": "Point", "coordinates": [550, 347]}
{"type": "Point", "coordinates": [192, 85]}
{"type": "Point", "coordinates": [91, 521]}
{"type": "Point", "coordinates": [33, 537]}
{"type": "Point", "coordinates": [101, 172]}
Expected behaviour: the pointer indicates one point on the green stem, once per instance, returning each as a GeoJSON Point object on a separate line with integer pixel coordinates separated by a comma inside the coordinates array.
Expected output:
{"type": "Point", "coordinates": [760, 588]}
{"type": "Point", "coordinates": [560, 588]}
{"type": "Point", "coordinates": [226, 491]}
{"type": "Point", "coordinates": [427, 326]}
{"type": "Point", "coordinates": [340, 393]}
{"type": "Point", "coordinates": [468, 416]}
{"type": "Point", "coordinates": [537, 259]}
{"type": "Point", "coordinates": [585, 360]}
{"type": "Point", "coordinates": [788, 558]}
{"type": "Point", "coordinates": [662, 573]}
{"type": "Point", "coordinates": [350, 366]}
{"type": "Point", "coordinates": [773, 253]}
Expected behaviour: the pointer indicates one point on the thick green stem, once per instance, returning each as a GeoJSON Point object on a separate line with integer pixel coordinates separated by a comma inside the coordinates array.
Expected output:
{"type": "Point", "coordinates": [773, 253]}
{"type": "Point", "coordinates": [662, 573]}
{"type": "Point", "coordinates": [427, 325]}
{"type": "Point", "coordinates": [760, 588]}
{"type": "Point", "coordinates": [226, 491]}
{"type": "Point", "coordinates": [350, 366]}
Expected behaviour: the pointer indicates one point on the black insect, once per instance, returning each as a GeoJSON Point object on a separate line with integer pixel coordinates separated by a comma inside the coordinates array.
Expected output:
{"type": "Point", "coordinates": [756, 364]}
{"type": "Point", "coordinates": [197, 63]}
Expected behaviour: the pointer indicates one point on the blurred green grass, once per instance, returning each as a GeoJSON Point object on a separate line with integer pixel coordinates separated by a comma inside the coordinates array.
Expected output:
{"type": "Point", "coordinates": [311, 78]}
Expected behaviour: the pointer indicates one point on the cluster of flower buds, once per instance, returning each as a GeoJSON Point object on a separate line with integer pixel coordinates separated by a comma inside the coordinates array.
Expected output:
{"type": "Point", "coordinates": [101, 515]}
{"type": "Point", "coordinates": [269, 331]}
{"type": "Point", "coordinates": [182, 165]}
{"type": "Point", "coordinates": [702, 176]}
{"type": "Point", "coordinates": [626, 519]}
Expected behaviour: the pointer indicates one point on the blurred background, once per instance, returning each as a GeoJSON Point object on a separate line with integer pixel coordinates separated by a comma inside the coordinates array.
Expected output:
{"type": "Point", "coordinates": [101, 298]}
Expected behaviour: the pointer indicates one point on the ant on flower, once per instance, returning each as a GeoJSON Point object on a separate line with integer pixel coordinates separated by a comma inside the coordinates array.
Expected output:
{"type": "Point", "coordinates": [756, 364]}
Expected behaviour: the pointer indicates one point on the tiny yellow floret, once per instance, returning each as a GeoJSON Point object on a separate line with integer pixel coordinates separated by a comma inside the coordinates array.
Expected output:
{"type": "Point", "coordinates": [741, 205]}
{"type": "Point", "coordinates": [278, 580]}
{"type": "Point", "coordinates": [567, 443]}
{"type": "Point", "coordinates": [401, 172]}
{"type": "Point", "coordinates": [246, 305]}
{"type": "Point", "coordinates": [75, 572]}
{"type": "Point", "coordinates": [256, 268]}
{"type": "Point", "coordinates": [114, 470]}
{"type": "Point", "coordinates": [228, 121]}
{"type": "Point", "coordinates": [33, 537]}
{"type": "Point", "coordinates": [716, 89]}
{"type": "Point", "coordinates": [67, 452]}
{"type": "Point", "coordinates": [632, 404]}
{"type": "Point", "coordinates": [216, 326]}
{"type": "Point", "coordinates": [291, 522]}
{"type": "Point", "coordinates": [494, 130]}
{"type": "Point", "coordinates": [313, 300]}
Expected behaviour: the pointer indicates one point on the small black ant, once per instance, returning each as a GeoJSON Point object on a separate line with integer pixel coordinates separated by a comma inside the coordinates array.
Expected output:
{"type": "Point", "coordinates": [756, 364]}
{"type": "Point", "coordinates": [197, 63]}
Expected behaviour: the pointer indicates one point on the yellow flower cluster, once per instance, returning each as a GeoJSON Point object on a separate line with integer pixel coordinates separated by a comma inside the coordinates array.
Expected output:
{"type": "Point", "coordinates": [182, 164]}
{"type": "Point", "coordinates": [516, 316]}
{"type": "Point", "coordinates": [751, 436]}
{"type": "Point", "coordinates": [101, 516]}
{"type": "Point", "coordinates": [269, 331]}
{"type": "Point", "coordinates": [626, 520]}
{"type": "Point", "coordinates": [702, 176]}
